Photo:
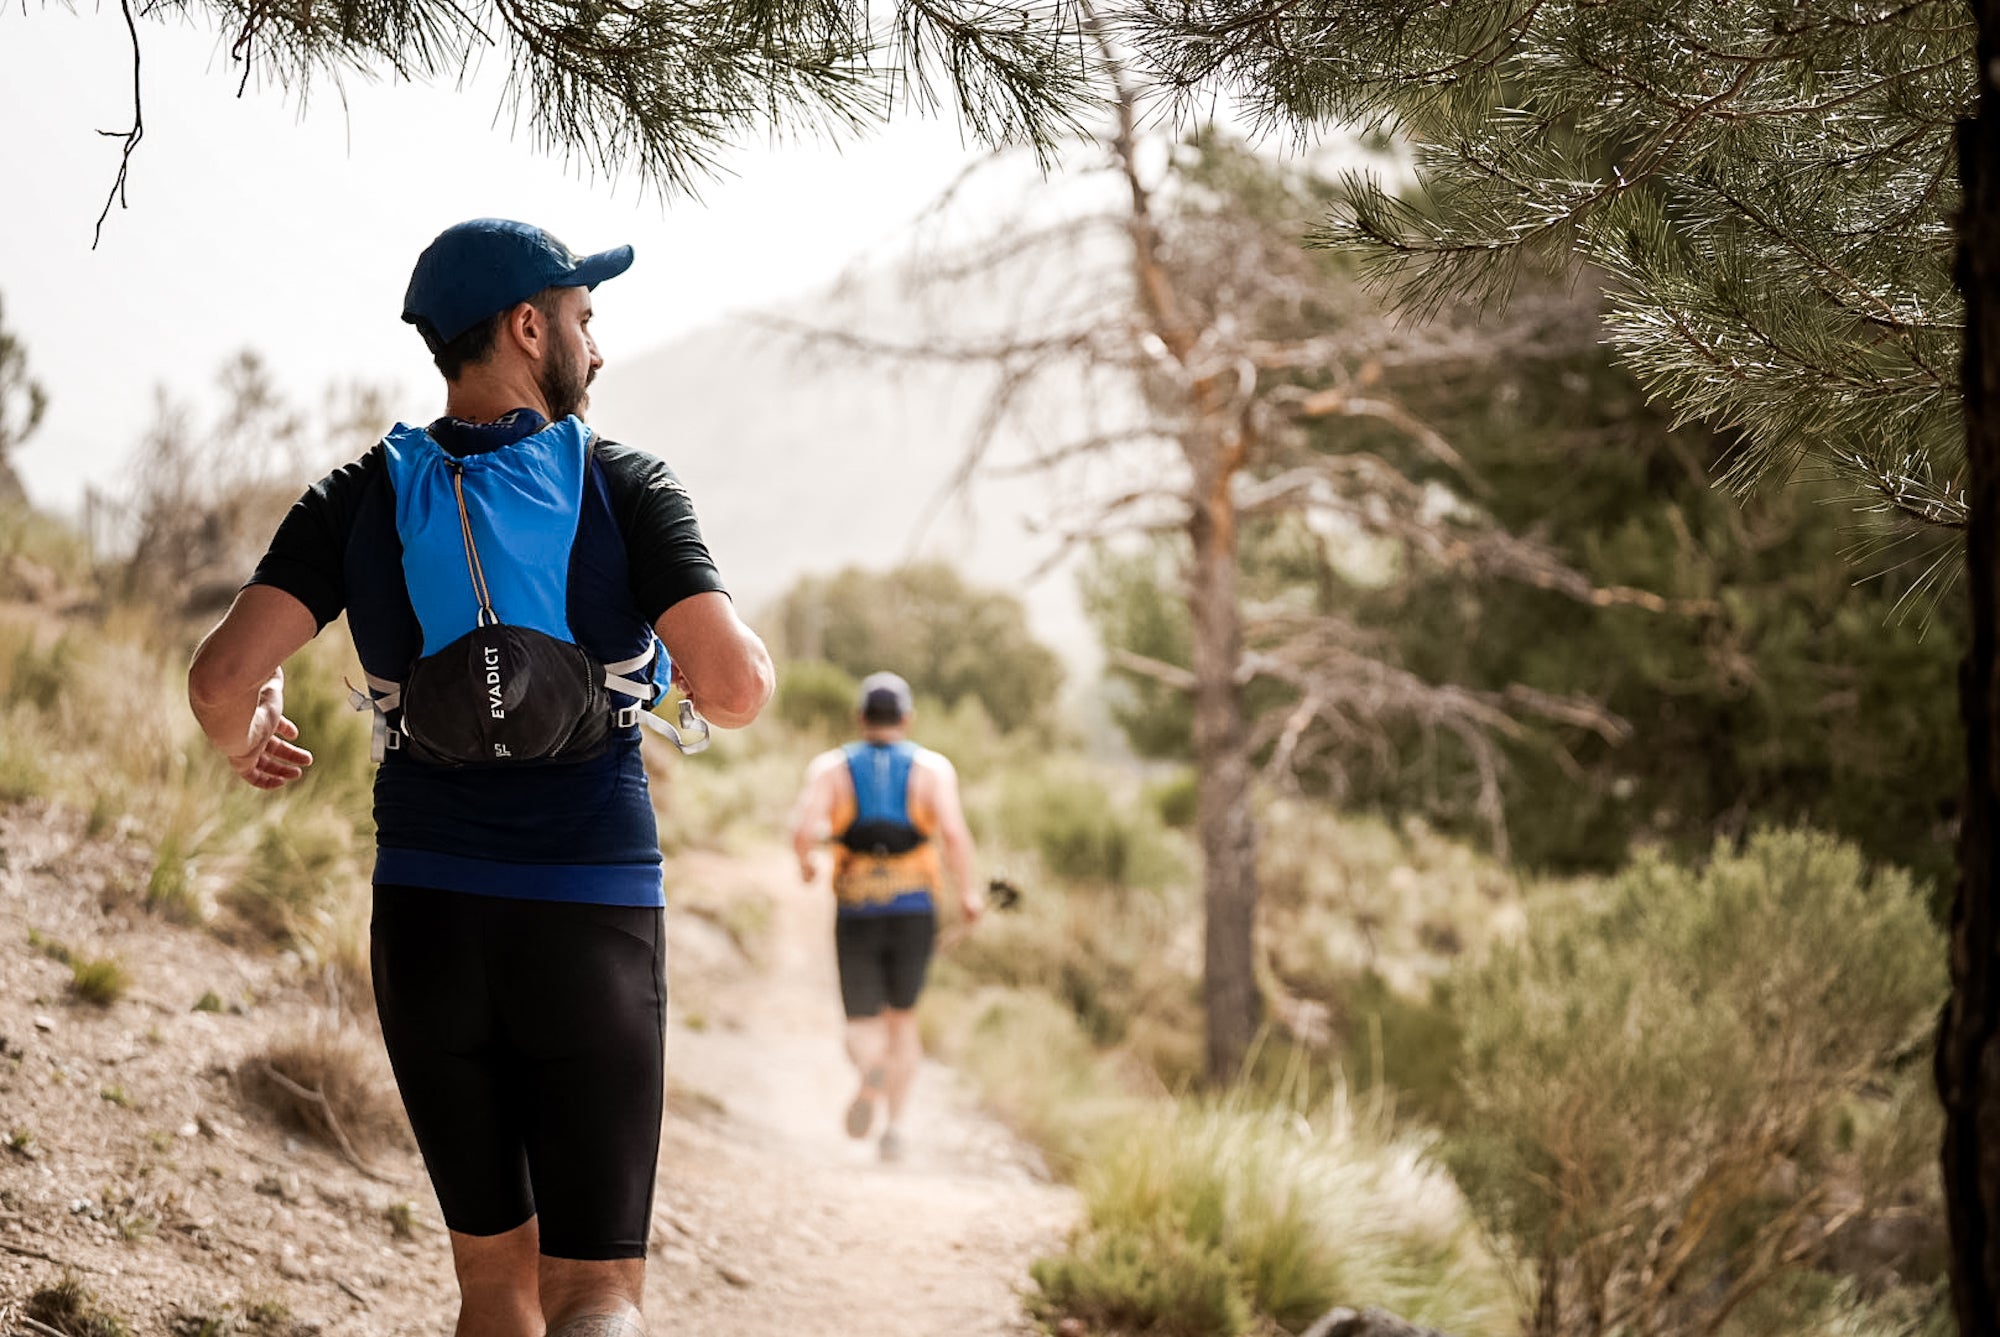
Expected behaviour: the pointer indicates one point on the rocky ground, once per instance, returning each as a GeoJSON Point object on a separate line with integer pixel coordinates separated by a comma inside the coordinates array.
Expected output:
{"type": "Point", "coordinates": [132, 1161]}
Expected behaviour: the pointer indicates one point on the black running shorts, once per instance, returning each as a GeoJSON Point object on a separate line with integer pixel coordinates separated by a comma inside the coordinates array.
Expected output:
{"type": "Point", "coordinates": [883, 959]}
{"type": "Point", "coordinates": [528, 1039]}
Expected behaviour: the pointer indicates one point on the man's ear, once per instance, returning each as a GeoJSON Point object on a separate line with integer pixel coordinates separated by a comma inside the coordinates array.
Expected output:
{"type": "Point", "coordinates": [526, 327]}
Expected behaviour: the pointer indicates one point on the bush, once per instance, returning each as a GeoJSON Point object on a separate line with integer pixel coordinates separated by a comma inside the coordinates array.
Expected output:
{"type": "Point", "coordinates": [1160, 1284]}
{"type": "Point", "coordinates": [1671, 1094]}
{"type": "Point", "coordinates": [1250, 1216]}
{"type": "Point", "coordinates": [1123, 965]}
{"type": "Point", "coordinates": [816, 697]}
{"type": "Point", "coordinates": [1068, 817]}
{"type": "Point", "coordinates": [951, 640]}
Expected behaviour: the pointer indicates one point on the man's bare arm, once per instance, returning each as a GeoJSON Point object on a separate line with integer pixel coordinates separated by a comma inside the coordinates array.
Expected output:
{"type": "Point", "coordinates": [956, 836]}
{"type": "Point", "coordinates": [236, 685]}
{"type": "Point", "coordinates": [813, 813]}
{"type": "Point", "coordinates": [720, 662]}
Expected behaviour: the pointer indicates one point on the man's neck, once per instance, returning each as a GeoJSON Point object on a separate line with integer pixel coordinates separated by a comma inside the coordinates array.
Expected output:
{"type": "Point", "coordinates": [488, 396]}
{"type": "Point", "coordinates": [895, 735]}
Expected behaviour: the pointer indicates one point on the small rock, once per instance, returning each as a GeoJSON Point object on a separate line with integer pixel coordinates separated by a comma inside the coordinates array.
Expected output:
{"type": "Point", "coordinates": [44, 1023]}
{"type": "Point", "coordinates": [735, 1276]}
{"type": "Point", "coordinates": [188, 1129]}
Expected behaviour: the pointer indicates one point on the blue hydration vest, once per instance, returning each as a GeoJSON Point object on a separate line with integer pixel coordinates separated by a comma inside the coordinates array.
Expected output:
{"type": "Point", "coordinates": [882, 834]}
{"type": "Point", "coordinates": [501, 676]}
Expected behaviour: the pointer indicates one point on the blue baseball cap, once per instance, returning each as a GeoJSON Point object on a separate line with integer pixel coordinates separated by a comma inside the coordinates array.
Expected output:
{"type": "Point", "coordinates": [884, 699]}
{"type": "Point", "coordinates": [479, 268]}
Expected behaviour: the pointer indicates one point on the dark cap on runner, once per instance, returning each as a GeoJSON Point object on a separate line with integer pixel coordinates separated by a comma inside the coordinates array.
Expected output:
{"type": "Point", "coordinates": [885, 699]}
{"type": "Point", "coordinates": [479, 268]}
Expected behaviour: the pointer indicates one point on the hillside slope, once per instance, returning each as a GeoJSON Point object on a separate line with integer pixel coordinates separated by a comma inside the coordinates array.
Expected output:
{"type": "Point", "coordinates": [133, 1162]}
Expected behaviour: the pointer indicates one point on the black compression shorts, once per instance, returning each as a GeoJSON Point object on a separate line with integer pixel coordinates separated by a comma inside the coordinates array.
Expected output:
{"type": "Point", "coordinates": [883, 959]}
{"type": "Point", "coordinates": [528, 1039]}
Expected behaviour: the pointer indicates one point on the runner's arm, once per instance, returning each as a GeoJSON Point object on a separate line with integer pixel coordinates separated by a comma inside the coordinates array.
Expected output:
{"type": "Point", "coordinates": [956, 836]}
{"type": "Point", "coordinates": [236, 685]}
{"type": "Point", "coordinates": [720, 662]}
{"type": "Point", "coordinates": [812, 815]}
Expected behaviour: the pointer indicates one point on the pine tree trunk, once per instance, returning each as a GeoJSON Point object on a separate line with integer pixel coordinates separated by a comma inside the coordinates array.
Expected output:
{"type": "Point", "coordinates": [1232, 1003]}
{"type": "Point", "coordinates": [1968, 1056]}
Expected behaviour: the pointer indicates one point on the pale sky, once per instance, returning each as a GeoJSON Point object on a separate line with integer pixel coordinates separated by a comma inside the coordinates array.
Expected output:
{"type": "Point", "coordinates": [251, 225]}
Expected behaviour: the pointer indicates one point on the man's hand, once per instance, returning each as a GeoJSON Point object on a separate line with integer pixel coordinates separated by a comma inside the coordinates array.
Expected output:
{"type": "Point", "coordinates": [971, 905]}
{"type": "Point", "coordinates": [808, 867]}
{"type": "Point", "coordinates": [270, 760]}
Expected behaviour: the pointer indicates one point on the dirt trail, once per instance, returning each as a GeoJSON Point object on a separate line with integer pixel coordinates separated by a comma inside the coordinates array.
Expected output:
{"type": "Point", "coordinates": [131, 1157]}
{"type": "Point", "coordinates": [767, 1189]}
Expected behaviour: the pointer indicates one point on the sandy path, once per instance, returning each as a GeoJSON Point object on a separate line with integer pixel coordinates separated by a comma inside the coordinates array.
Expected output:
{"type": "Point", "coordinates": [175, 1197]}
{"type": "Point", "coordinates": [771, 1220]}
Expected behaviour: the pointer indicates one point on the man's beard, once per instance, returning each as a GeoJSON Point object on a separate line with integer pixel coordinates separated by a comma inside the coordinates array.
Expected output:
{"type": "Point", "coordinates": [566, 387]}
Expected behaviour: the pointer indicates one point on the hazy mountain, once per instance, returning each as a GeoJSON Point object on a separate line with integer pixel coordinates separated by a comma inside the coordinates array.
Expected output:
{"type": "Point", "coordinates": [803, 460]}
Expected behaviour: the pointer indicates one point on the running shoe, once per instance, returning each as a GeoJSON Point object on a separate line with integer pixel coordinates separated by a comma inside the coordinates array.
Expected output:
{"type": "Point", "coordinates": [861, 1113]}
{"type": "Point", "coordinates": [892, 1147]}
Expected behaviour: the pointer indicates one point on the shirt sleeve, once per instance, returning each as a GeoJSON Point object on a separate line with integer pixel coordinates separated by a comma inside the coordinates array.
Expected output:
{"type": "Point", "coordinates": [308, 555]}
{"type": "Point", "coordinates": [668, 559]}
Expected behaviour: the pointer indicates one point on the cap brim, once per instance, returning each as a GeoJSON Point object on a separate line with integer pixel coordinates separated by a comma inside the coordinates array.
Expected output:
{"type": "Point", "coordinates": [594, 269]}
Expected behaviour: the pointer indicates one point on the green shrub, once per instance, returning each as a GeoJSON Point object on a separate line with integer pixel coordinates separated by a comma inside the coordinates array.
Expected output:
{"type": "Point", "coordinates": [1667, 1088]}
{"type": "Point", "coordinates": [816, 697]}
{"type": "Point", "coordinates": [1114, 960]}
{"type": "Point", "coordinates": [100, 981]}
{"type": "Point", "coordinates": [1293, 1210]}
{"type": "Point", "coordinates": [1177, 800]}
{"type": "Point", "coordinates": [1070, 819]}
{"type": "Point", "coordinates": [1163, 1284]}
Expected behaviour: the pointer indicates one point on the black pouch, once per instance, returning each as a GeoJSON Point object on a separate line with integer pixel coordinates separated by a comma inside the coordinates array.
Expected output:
{"type": "Point", "coordinates": [501, 696]}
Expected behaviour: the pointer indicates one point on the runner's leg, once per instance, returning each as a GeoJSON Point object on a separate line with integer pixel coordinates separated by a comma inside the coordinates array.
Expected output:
{"type": "Point", "coordinates": [905, 1054]}
{"type": "Point", "coordinates": [593, 1299]}
{"type": "Point", "coordinates": [857, 942]}
{"type": "Point", "coordinates": [908, 958]}
{"type": "Point", "coordinates": [585, 1011]}
{"type": "Point", "coordinates": [496, 1283]}
{"type": "Point", "coordinates": [428, 955]}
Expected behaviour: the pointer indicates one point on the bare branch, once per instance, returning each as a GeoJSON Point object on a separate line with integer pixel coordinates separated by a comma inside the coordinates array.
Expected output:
{"type": "Point", "coordinates": [131, 136]}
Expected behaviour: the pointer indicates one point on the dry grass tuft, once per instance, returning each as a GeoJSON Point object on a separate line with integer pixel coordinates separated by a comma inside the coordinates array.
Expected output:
{"type": "Point", "coordinates": [329, 1084]}
{"type": "Point", "coordinates": [250, 1318]}
{"type": "Point", "coordinates": [68, 1307]}
{"type": "Point", "coordinates": [100, 981]}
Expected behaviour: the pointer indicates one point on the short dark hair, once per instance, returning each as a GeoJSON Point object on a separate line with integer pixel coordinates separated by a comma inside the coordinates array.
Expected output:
{"type": "Point", "coordinates": [476, 343]}
{"type": "Point", "coordinates": [882, 708]}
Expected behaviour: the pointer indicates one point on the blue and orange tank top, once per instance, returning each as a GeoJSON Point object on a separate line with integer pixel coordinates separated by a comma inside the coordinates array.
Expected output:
{"type": "Point", "coordinates": [884, 861]}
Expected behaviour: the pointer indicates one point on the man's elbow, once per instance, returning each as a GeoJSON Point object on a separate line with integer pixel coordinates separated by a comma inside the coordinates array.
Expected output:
{"type": "Point", "coordinates": [212, 679]}
{"type": "Point", "coordinates": [738, 698]}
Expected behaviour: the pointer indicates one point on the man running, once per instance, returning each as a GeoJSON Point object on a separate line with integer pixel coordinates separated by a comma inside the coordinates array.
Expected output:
{"type": "Point", "coordinates": [504, 572]}
{"type": "Point", "coordinates": [887, 805]}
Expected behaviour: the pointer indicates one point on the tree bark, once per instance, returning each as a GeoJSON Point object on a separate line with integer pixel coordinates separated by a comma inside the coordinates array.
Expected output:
{"type": "Point", "coordinates": [1233, 1006]}
{"type": "Point", "coordinates": [1968, 1054]}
